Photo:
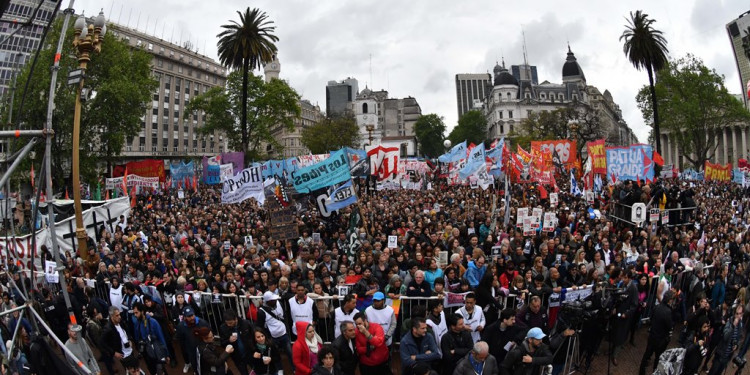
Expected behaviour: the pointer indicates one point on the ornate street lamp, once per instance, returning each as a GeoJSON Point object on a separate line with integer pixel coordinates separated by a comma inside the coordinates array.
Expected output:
{"type": "Point", "coordinates": [88, 39]}
{"type": "Point", "coordinates": [370, 128]}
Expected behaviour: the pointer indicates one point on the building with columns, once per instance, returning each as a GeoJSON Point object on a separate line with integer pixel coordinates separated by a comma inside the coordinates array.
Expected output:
{"type": "Point", "coordinates": [515, 96]}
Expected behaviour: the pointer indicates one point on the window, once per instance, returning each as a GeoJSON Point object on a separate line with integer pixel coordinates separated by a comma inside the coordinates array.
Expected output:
{"type": "Point", "coordinates": [500, 114]}
{"type": "Point", "coordinates": [364, 107]}
{"type": "Point", "coordinates": [502, 129]}
{"type": "Point", "coordinates": [150, 47]}
{"type": "Point", "coordinates": [508, 96]}
{"type": "Point", "coordinates": [510, 114]}
{"type": "Point", "coordinates": [528, 113]}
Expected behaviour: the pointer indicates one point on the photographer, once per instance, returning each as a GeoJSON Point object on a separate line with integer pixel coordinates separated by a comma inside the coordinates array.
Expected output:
{"type": "Point", "coordinates": [560, 342]}
{"type": "Point", "coordinates": [529, 357]}
{"type": "Point", "coordinates": [150, 339]}
{"type": "Point", "coordinates": [660, 332]}
{"type": "Point", "coordinates": [624, 311]}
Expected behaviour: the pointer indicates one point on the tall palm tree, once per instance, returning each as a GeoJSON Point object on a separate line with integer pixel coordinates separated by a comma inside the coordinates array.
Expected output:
{"type": "Point", "coordinates": [646, 48]}
{"type": "Point", "coordinates": [247, 45]}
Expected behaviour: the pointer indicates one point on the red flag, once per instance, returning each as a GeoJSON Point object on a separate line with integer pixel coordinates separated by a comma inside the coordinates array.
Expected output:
{"type": "Point", "coordinates": [658, 159]}
{"type": "Point", "coordinates": [614, 178]}
{"type": "Point", "coordinates": [125, 182]}
{"type": "Point", "coordinates": [43, 198]}
{"type": "Point", "coordinates": [638, 180]}
{"type": "Point", "coordinates": [66, 194]}
{"type": "Point", "coordinates": [195, 184]}
{"type": "Point", "coordinates": [106, 196]}
{"type": "Point", "coordinates": [132, 199]}
{"type": "Point", "coordinates": [543, 192]}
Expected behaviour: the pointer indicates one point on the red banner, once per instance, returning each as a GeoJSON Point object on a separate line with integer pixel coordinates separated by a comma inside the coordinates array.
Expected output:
{"type": "Point", "coordinates": [598, 155]}
{"type": "Point", "coordinates": [143, 168]}
{"type": "Point", "coordinates": [563, 149]}
{"type": "Point", "coordinates": [717, 172]}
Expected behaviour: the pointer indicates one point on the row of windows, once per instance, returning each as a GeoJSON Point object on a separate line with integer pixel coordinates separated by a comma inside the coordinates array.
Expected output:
{"type": "Point", "coordinates": [26, 11]}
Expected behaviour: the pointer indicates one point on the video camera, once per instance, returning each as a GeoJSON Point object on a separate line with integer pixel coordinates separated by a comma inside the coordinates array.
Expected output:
{"type": "Point", "coordinates": [575, 313]}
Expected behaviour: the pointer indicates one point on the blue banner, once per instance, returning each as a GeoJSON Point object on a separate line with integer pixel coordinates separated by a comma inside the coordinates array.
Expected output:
{"type": "Point", "coordinates": [329, 172]}
{"type": "Point", "coordinates": [212, 174]}
{"type": "Point", "coordinates": [630, 163]}
{"type": "Point", "coordinates": [739, 176]}
{"type": "Point", "coordinates": [496, 155]}
{"type": "Point", "coordinates": [342, 197]}
{"type": "Point", "coordinates": [359, 163]}
{"type": "Point", "coordinates": [180, 171]}
{"type": "Point", "coordinates": [458, 152]}
{"type": "Point", "coordinates": [474, 162]}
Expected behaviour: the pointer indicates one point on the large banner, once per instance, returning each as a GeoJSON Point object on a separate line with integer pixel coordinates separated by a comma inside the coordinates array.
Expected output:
{"type": "Point", "coordinates": [717, 172]}
{"type": "Point", "coordinates": [565, 149]}
{"type": "Point", "coordinates": [359, 165]}
{"type": "Point", "coordinates": [329, 172]}
{"type": "Point", "coordinates": [282, 213]}
{"type": "Point", "coordinates": [225, 171]}
{"type": "Point", "coordinates": [212, 174]}
{"type": "Point", "coordinates": [246, 184]}
{"type": "Point", "coordinates": [181, 171]}
{"type": "Point", "coordinates": [630, 163]}
{"type": "Point", "coordinates": [133, 180]}
{"type": "Point", "coordinates": [341, 197]}
{"type": "Point", "coordinates": [236, 159]}
{"type": "Point", "coordinates": [145, 168]}
{"type": "Point", "coordinates": [383, 161]}
{"type": "Point", "coordinates": [598, 155]}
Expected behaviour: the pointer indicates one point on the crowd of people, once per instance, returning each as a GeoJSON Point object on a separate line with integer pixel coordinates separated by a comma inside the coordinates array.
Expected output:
{"type": "Point", "coordinates": [208, 282]}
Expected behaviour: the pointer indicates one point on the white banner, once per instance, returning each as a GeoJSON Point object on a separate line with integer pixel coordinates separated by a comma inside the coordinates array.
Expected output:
{"type": "Point", "coordinates": [555, 299]}
{"type": "Point", "coordinates": [226, 172]}
{"type": "Point", "coordinates": [133, 180]}
{"type": "Point", "coordinates": [246, 184]}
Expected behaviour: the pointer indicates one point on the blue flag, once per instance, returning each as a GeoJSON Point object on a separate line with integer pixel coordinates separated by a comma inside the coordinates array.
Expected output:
{"type": "Point", "coordinates": [342, 197]}
{"type": "Point", "coordinates": [329, 172]}
{"type": "Point", "coordinates": [496, 155]}
{"type": "Point", "coordinates": [474, 162]}
{"type": "Point", "coordinates": [456, 153]}
{"type": "Point", "coordinates": [574, 190]}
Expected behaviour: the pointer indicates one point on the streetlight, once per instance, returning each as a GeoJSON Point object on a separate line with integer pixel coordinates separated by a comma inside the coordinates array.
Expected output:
{"type": "Point", "coordinates": [88, 39]}
{"type": "Point", "coordinates": [370, 128]}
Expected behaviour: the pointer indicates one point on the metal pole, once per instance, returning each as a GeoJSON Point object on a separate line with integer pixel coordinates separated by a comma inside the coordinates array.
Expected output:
{"type": "Point", "coordinates": [18, 160]}
{"type": "Point", "coordinates": [15, 330]}
{"type": "Point", "coordinates": [21, 133]}
{"type": "Point", "coordinates": [48, 164]}
{"type": "Point", "coordinates": [64, 348]}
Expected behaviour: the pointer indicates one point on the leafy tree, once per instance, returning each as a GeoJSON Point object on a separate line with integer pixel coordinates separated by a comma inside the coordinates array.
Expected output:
{"type": "Point", "coordinates": [429, 130]}
{"type": "Point", "coordinates": [332, 134]}
{"type": "Point", "coordinates": [122, 80]}
{"type": "Point", "coordinates": [646, 48]}
{"type": "Point", "coordinates": [271, 104]}
{"type": "Point", "coordinates": [695, 107]}
{"type": "Point", "coordinates": [247, 45]}
{"type": "Point", "coordinates": [472, 127]}
{"type": "Point", "coordinates": [557, 124]}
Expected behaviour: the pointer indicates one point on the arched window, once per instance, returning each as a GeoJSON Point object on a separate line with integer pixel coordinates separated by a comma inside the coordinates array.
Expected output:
{"type": "Point", "coordinates": [508, 96]}
{"type": "Point", "coordinates": [364, 107]}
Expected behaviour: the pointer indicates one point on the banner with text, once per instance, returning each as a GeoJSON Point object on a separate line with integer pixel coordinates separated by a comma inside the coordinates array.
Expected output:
{"type": "Point", "coordinates": [133, 180]}
{"type": "Point", "coordinates": [717, 172]}
{"type": "Point", "coordinates": [565, 149]}
{"type": "Point", "coordinates": [145, 168]}
{"type": "Point", "coordinates": [329, 172]}
{"type": "Point", "coordinates": [630, 163]}
{"type": "Point", "coordinates": [245, 185]}
{"type": "Point", "coordinates": [598, 155]}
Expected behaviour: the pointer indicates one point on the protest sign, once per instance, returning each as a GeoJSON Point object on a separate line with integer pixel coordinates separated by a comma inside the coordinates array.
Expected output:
{"type": "Point", "coordinates": [50, 272]}
{"type": "Point", "coordinates": [133, 180]}
{"type": "Point", "coordinates": [455, 299]}
{"type": "Point", "coordinates": [316, 238]}
{"type": "Point", "coordinates": [553, 200]}
{"type": "Point", "coordinates": [598, 155]}
{"type": "Point", "coordinates": [329, 172]}
{"type": "Point", "coordinates": [549, 222]}
{"type": "Point", "coordinates": [665, 217]}
{"type": "Point", "coordinates": [245, 185]}
{"type": "Point", "coordinates": [282, 213]}
{"type": "Point", "coordinates": [630, 163]}
{"type": "Point", "coordinates": [564, 149]}
{"type": "Point", "coordinates": [654, 214]}
{"type": "Point", "coordinates": [225, 172]}
{"type": "Point", "coordinates": [521, 214]}
{"type": "Point", "coordinates": [392, 242]}
{"type": "Point", "coordinates": [717, 172]}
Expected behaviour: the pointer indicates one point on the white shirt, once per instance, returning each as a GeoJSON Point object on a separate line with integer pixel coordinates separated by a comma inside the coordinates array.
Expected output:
{"type": "Point", "coordinates": [126, 351]}
{"type": "Point", "coordinates": [276, 327]}
{"type": "Point", "coordinates": [382, 317]}
{"type": "Point", "coordinates": [473, 320]}
{"type": "Point", "coordinates": [115, 296]}
{"type": "Point", "coordinates": [300, 312]}
{"type": "Point", "coordinates": [439, 329]}
{"type": "Point", "coordinates": [341, 317]}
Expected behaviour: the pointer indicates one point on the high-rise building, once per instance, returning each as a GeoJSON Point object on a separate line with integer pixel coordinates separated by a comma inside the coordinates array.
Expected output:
{"type": "Point", "coordinates": [340, 95]}
{"type": "Point", "coordinates": [17, 50]}
{"type": "Point", "coordinates": [182, 73]}
{"type": "Point", "coordinates": [739, 35]}
{"type": "Point", "coordinates": [471, 89]}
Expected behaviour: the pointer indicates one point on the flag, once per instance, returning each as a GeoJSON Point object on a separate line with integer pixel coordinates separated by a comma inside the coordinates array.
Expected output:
{"type": "Point", "coordinates": [658, 159]}
{"type": "Point", "coordinates": [506, 220]}
{"type": "Point", "coordinates": [523, 154]}
{"type": "Point", "coordinates": [647, 163]}
{"type": "Point", "coordinates": [106, 195]}
{"type": "Point", "coordinates": [132, 199]}
{"type": "Point", "coordinates": [574, 190]}
{"type": "Point", "coordinates": [384, 161]}
{"type": "Point", "coordinates": [474, 162]}
{"type": "Point", "coordinates": [543, 192]}
{"type": "Point", "coordinates": [457, 152]}
{"type": "Point", "coordinates": [67, 197]}
{"type": "Point", "coordinates": [195, 184]}
{"type": "Point", "coordinates": [341, 197]}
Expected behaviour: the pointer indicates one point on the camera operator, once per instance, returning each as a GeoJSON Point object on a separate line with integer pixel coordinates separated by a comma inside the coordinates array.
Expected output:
{"type": "Point", "coordinates": [660, 332]}
{"type": "Point", "coordinates": [559, 342]}
{"type": "Point", "coordinates": [529, 357]}
{"type": "Point", "coordinates": [624, 311]}
{"type": "Point", "coordinates": [592, 330]}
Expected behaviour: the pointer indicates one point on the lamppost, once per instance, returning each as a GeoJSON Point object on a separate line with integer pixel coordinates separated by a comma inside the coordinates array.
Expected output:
{"type": "Point", "coordinates": [88, 39]}
{"type": "Point", "coordinates": [370, 128]}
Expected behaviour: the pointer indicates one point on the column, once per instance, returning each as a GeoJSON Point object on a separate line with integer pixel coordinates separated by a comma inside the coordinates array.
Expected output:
{"type": "Point", "coordinates": [743, 130]}
{"type": "Point", "coordinates": [677, 155]}
{"type": "Point", "coordinates": [667, 146]}
{"type": "Point", "coordinates": [735, 153]}
{"type": "Point", "coordinates": [724, 145]}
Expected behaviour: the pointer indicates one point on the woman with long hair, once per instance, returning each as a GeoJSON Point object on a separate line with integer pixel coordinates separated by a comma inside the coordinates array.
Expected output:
{"type": "Point", "coordinates": [213, 360]}
{"type": "Point", "coordinates": [265, 358]}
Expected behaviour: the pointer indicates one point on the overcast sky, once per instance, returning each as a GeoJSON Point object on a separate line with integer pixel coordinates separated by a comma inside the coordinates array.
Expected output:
{"type": "Point", "coordinates": [418, 46]}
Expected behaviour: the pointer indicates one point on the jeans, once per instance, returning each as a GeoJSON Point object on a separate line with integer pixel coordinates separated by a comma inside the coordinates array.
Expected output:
{"type": "Point", "coordinates": [283, 343]}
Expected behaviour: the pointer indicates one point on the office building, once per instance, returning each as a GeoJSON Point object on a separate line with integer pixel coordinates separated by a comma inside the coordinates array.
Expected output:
{"type": "Point", "coordinates": [340, 95]}
{"type": "Point", "coordinates": [182, 74]}
{"type": "Point", "coordinates": [738, 31]}
{"type": "Point", "coordinates": [471, 89]}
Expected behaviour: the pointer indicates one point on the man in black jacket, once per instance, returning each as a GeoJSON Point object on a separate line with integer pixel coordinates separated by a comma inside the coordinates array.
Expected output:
{"type": "Point", "coordinates": [347, 349]}
{"type": "Point", "coordinates": [115, 343]}
{"type": "Point", "coordinates": [455, 344]}
{"type": "Point", "coordinates": [502, 334]}
{"type": "Point", "coordinates": [237, 332]}
{"type": "Point", "coordinates": [660, 332]}
{"type": "Point", "coordinates": [529, 357]}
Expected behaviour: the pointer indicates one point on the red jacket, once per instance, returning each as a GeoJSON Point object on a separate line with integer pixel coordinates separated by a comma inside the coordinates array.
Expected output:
{"type": "Point", "coordinates": [301, 352]}
{"type": "Point", "coordinates": [379, 353]}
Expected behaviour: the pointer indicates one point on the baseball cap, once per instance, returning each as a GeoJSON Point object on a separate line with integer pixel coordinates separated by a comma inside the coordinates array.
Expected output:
{"type": "Point", "coordinates": [378, 296]}
{"type": "Point", "coordinates": [188, 311]}
{"type": "Point", "coordinates": [269, 296]}
{"type": "Point", "coordinates": [535, 333]}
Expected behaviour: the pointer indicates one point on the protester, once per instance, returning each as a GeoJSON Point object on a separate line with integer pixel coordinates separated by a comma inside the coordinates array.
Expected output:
{"type": "Point", "coordinates": [371, 347]}
{"type": "Point", "coordinates": [212, 359]}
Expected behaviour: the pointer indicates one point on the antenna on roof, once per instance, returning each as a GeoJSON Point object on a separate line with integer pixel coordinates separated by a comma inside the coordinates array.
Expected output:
{"type": "Point", "coordinates": [370, 71]}
{"type": "Point", "coordinates": [525, 59]}
{"type": "Point", "coordinates": [120, 15]}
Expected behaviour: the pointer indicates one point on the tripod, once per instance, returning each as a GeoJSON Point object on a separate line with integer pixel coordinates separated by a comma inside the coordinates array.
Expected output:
{"type": "Point", "coordinates": [572, 355]}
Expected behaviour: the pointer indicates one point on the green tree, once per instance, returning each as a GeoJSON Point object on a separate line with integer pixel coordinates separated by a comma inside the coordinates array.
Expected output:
{"type": "Point", "coordinates": [430, 132]}
{"type": "Point", "coordinates": [121, 78]}
{"type": "Point", "coordinates": [272, 104]}
{"type": "Point", "coordinates": [247, 45]}
{"type": "Point", "coordinates": [646, 48]}
{"type": "Point", "coordinates": [332, 134]}
{"type": "Point", "coordinates": [472, 127]}
{"type": "Point", "coordinates": [695, 107]}
{"type": "Point", "coordinates": [576, 121]}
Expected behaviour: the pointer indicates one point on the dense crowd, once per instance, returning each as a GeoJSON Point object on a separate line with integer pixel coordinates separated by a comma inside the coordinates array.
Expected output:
{"type": "Point", "coordinates": [207, 280]}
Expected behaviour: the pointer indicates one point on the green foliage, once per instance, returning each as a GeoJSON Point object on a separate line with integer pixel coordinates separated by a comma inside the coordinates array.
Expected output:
{"type": "Point", "coordinates": [694, 107]}
{"type": "Point", "coordinates": [247, 45]}
{"type": "Point", "coordinates": [576, 121]}
{"type": "Point", "coordinates": [332, 134]}
{"type": "Point", "coordinates": [270, 104]}
{"type": "Point", "coordinates": [122, 80]}
{"type": "Point", "coordinates": [429, 130]}
{"type": "Point", "coordinates": [472, 127]}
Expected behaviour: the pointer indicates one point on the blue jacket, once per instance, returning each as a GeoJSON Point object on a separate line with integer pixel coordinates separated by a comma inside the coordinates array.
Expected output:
{"type": "Point", "coordinates": [718, 293]}
{"type": "Point", "coordinates": [143, 328]}
{"type": "Point", "coordinates": [409, 348]}
{"type": "Point", "coordinates": [473, 274]}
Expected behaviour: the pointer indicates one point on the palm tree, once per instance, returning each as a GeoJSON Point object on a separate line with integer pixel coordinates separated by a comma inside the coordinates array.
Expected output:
{"type": "Point", "coordinates": [646, 48]}
{"type": "Point", "coordinates": [247, 45]}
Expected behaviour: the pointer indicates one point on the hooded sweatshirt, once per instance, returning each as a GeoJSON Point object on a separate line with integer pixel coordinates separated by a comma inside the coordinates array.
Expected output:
{"type": "Point", "coordinates": [302, 354]}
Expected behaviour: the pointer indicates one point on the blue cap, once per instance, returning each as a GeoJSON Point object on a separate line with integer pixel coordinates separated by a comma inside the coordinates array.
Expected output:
{"type": "Point", "coordinates": [378, 296]}
{"type": "Point", "coordinates": [535, 333]}
{"type": "Point", "coordinates": [188, 311]}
